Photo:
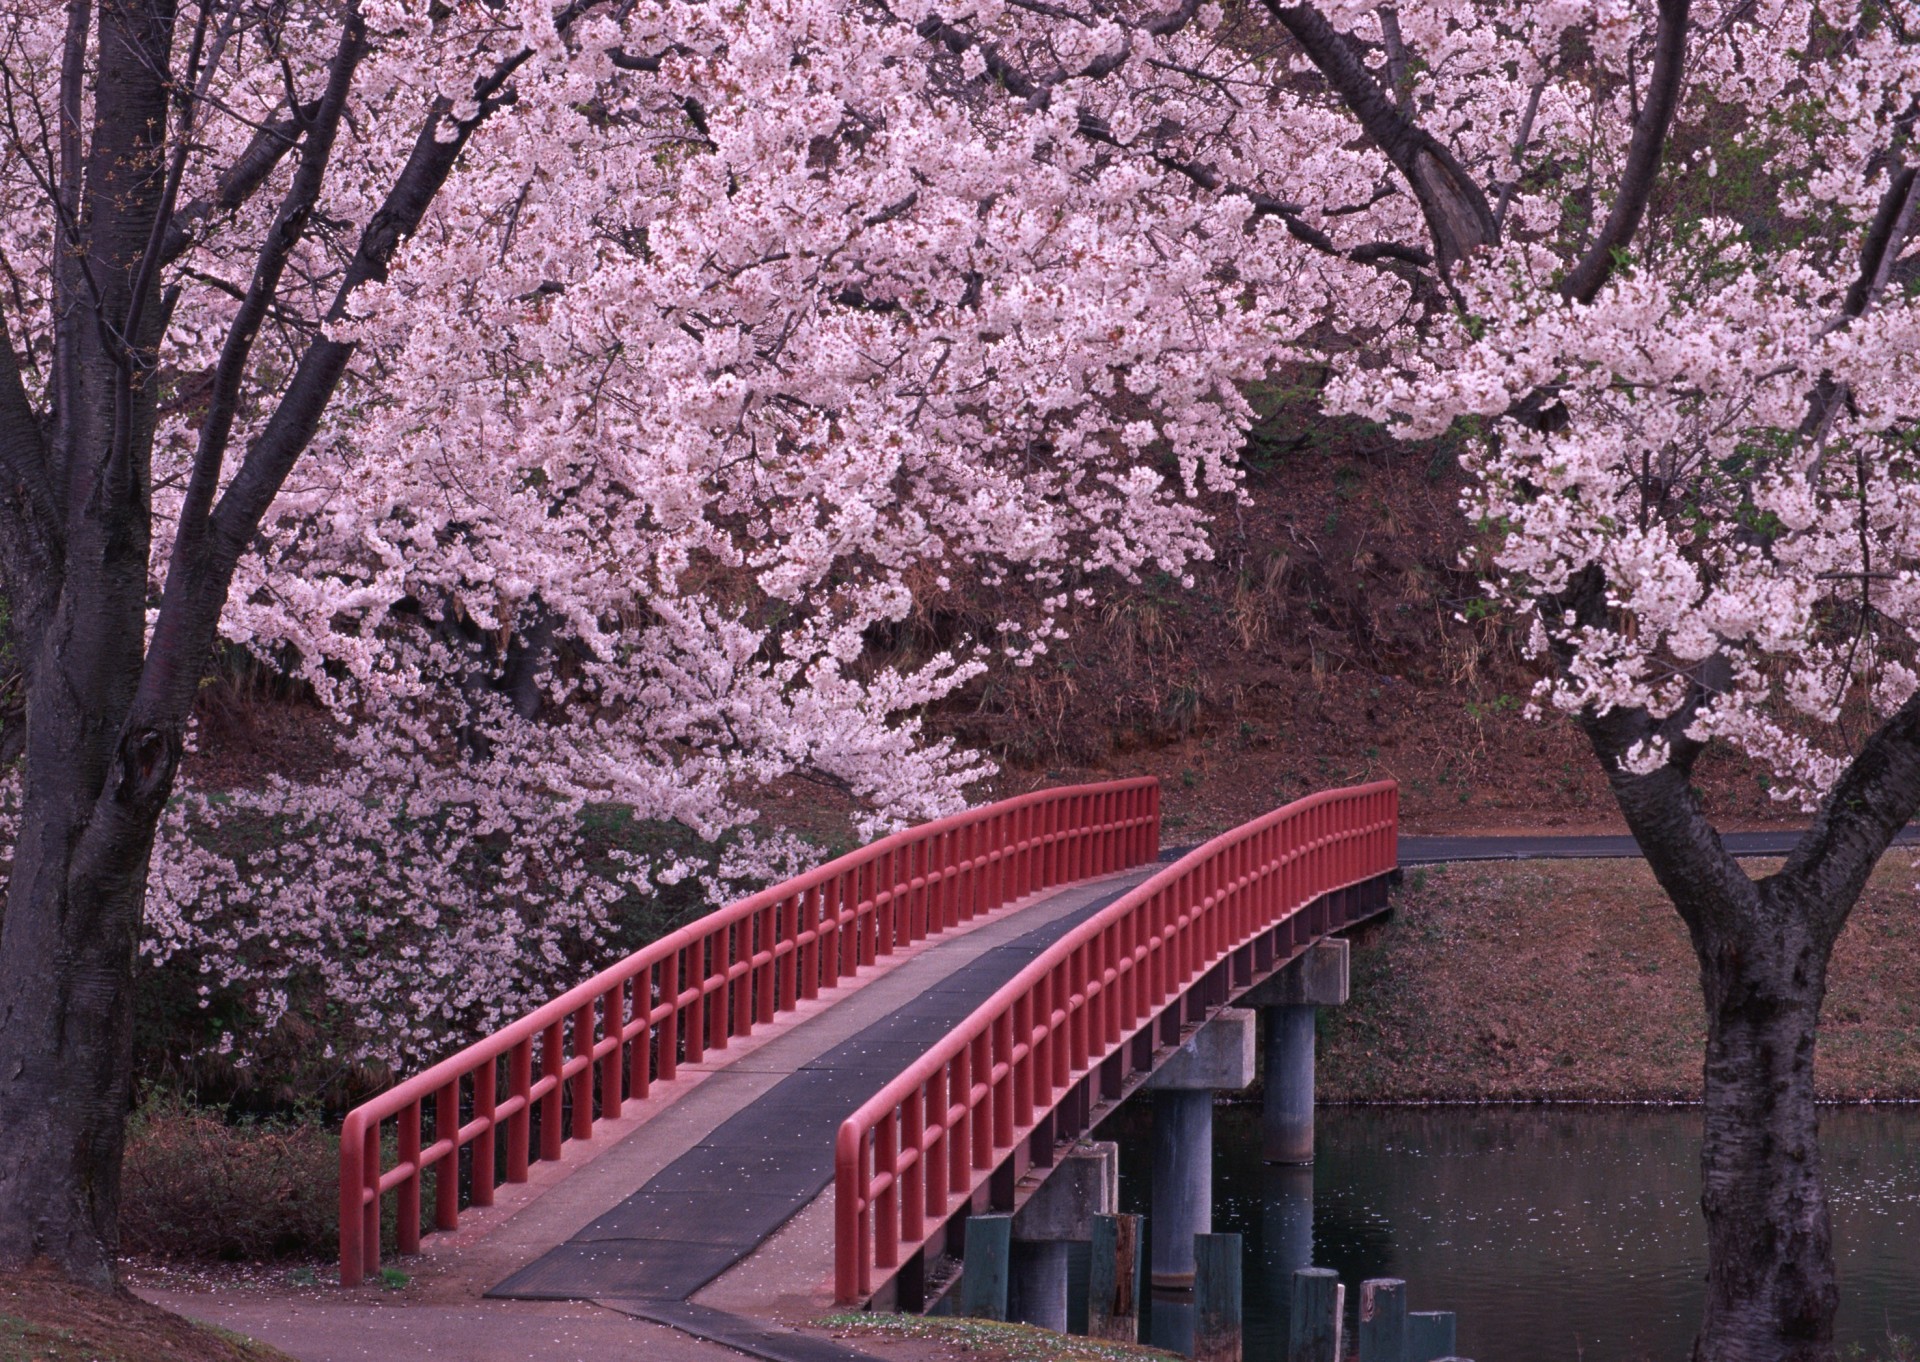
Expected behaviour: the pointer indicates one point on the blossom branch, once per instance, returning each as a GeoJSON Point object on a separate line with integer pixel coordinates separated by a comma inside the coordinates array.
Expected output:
{"type": "Point", "coordinates": [1454, 205]}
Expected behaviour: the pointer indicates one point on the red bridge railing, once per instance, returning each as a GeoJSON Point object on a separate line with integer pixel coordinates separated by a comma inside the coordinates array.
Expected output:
{"type": "Point", "coordinates": [931, 1135]}
{"type": "Point", "coordinates": [690, 992]}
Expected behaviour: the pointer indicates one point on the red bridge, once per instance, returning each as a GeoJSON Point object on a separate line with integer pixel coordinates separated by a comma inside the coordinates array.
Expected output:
{"type": "Point", "coordinates": [928, 1025]}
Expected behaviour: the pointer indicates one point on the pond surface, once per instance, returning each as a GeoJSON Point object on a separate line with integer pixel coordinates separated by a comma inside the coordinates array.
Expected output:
{"type": "Point", "coordinates": [1553, 1233]}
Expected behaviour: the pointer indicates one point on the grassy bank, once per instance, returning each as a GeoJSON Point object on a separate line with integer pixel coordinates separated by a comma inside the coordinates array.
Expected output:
{"type": "Point", "coordinates": [1573, 980]}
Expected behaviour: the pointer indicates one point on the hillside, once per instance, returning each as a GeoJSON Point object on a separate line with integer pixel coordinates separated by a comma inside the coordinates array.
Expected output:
{"type": "Point", "coordinates": [1322, 646]}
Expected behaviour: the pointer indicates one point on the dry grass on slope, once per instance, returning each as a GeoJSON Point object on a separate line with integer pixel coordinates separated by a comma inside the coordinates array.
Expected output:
{"type": "Point", "coordinates": [1574, 980]}
{"type": "Point", "coordinates": [50, 1320]}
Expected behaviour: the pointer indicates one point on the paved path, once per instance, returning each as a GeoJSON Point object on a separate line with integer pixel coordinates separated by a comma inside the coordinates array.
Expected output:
{"type": "Point", "coordinates": [720, 1200]}
{"type": "Point", "coordinates": [634, 1212]}
{"type": "Point", "coordinates": [1428, 850]}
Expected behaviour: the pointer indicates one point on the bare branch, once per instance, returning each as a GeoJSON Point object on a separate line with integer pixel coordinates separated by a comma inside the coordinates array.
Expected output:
{"type": "Point", "coordinates": [1857, 821]}
{"type": "Point", "coordinates": [1455, 207]}
{"type": "Point", "coordinates": [289, 226]}
{"type": "Point", "coordinates": [1399, 74]}
{"type": "Point", "coordinates": [264, 151]}
{"type": "Point", "coordinates": [30, 522]}
{"type": "Point", "coordinates": [1520, 141]}
{"type": "Point", "coordinates": [1650, 127]}
{"type": "Point", "coordinates": [1886, 238]}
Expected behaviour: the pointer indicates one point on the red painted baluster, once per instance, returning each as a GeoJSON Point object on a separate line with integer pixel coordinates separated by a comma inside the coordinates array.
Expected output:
{"type": "Point", "coordinates": [519, 1085]}
{"type": "Point", "coordinates": [1023, 1063]}
{"type": "Point", "coordinates": [1040, 1062]}
{"type": "Point", "coordinates": [552, 1058]}
{"type": "Point", "coordinates": [767, 929]}
{"type": "Point", "coordinates": [484, 1080]}
{"type": "Point", "coordinates": [693, 981]}
{"type": "Point", "coordinates": [582, 1081]}
{"type": "Point", "coordinates": [866, 881]}
{"type": "Point", "coordinates": [613, 1025]}
{"type": "Point", "coordinates": [786, 933]}
{"type": "Point", "coordinates": [1082, 1019]}
{"type": "Point", "coordinates": [979, 1074]}
{"type": "Point", "coordinates": [833, 938]}
{"type": "Point", "coordinates": [667, 1046]}
{"type": "Point", "coordinates": [812, 957]}
{"type": "Point", "coordinates": [742, 982]}
{"type": "Point", "coordinates": [446, 1171]}
{"type": "Point", "coordinates": [886, 1160]}
{"type": "Point", "coordinates": [960, 1121]}
{"type": "Point", "coordinates": [913, 1179]}
{"type": "Point", "coordinates": [1002, 1076]}
{"type": "Point", "coordinates": [409, 1227]}
{"type": "Point", "coordinates": [370, 1205]}
{"type": "Point", "coordinates": [935, 1158]}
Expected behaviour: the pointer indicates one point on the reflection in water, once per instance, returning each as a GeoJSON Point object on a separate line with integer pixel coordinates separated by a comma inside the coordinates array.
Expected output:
{"type": "Point", "coordinates": [1555, 1233]}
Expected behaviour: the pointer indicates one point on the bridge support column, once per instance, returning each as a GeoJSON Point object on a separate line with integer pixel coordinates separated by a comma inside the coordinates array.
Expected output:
{"type": "Point", "coordinates": [1218, 1057]}
{"type": "Point", "coordinates": [1288, 1003]}
{"type": "Point", "coordinates": [1083, 1184]}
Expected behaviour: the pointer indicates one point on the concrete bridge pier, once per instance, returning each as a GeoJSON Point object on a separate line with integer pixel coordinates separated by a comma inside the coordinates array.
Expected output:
{"type": "Point", "coordinates": [1288, 1003]}
{"type": "Point", "coordinates": [1216, 1058]}
{"type": "Point", "coordinates": [1085, 1183]}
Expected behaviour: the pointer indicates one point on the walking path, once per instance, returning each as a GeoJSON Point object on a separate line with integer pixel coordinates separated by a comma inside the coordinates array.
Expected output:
{"type": "Point", "coordinates": [775, 1153]}
{"type": "Point", "coordinates": [756, 1121]}
{"type": "Point", "coordinates": [1429, 850]}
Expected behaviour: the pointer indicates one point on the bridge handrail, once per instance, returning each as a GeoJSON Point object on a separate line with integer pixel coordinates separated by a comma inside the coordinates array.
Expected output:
{"type": "Point", "coordinates": [942, 1124]}
{"type": "Point", "coordinates": [711, 980]}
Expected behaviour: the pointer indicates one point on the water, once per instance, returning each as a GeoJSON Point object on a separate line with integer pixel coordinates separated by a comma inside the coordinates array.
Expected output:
{"type": "Point", "coordinates": [1553, 1233]}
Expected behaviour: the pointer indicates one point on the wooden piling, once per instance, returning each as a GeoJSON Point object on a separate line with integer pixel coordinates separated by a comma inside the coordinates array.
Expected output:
{"type": "Point", "coordinates": [1113, 1278]}
{"type": "Point", "coordinates": [1216, 1298]}
{"type": "Point", "coordinates": [1429, 1335]}
{"type": "Point", "coordinates": [1314, 1321]}
{"type": "Point", "coordinates": [1383, 1320]}
{"type": "Point", "coordinates": [985, 1266]}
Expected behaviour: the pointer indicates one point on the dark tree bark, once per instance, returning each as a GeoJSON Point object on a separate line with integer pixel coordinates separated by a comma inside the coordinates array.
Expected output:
{"type": "Point", "coordinates": [106, 709]}
{"type": "Point", "coordinates": [1763, 948]}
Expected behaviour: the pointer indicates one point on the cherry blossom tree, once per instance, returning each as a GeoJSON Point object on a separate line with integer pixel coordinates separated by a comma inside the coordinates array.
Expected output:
{"type": "Point", "coordinates": [1654, 263]}
{"type": "Point", "coordinates": [565, 395]}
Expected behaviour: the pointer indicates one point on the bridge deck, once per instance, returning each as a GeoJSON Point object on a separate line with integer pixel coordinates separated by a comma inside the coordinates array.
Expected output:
{"type": "Point", "coordinates": [702, 1194]}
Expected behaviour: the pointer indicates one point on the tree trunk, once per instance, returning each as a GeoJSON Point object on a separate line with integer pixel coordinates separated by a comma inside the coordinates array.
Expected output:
{"type": "Point", "coordinates": [1771, 1291]}
{"type": "Point", "coordinates": [67, 951]}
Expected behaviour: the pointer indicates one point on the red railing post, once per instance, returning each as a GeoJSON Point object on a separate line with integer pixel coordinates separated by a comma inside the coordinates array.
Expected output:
{"type": "Point", "coordinates": [407, 1236]}
{"type": "Point", "coordinates": [484, 1106]}
{"type": "Point", "coordinates": [740, 974]}
{"type": "Point", "coordinates": [913, 1177]}
{"type": "Point", "coordinates": [353, 1191]}
{"type": "Point", "coordinates": [851, 1240]}
{"type": "Point", "coordinates": [520, 1091]}
{"type": "Point", "coordinates": [582, 1080]}
{"type": "Point", "coordinates": [446, 1169]}
{"type": "Point", "coordinates": [613, 1032]}
{"type": "Point", "coordinates": [552, 1061]}
{"type": "Point", "coordinates": [886, 1206]}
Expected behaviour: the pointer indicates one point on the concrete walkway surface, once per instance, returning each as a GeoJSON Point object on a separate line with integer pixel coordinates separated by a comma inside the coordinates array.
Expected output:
{"type": "Point", "coordinates": [760, 1298]}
